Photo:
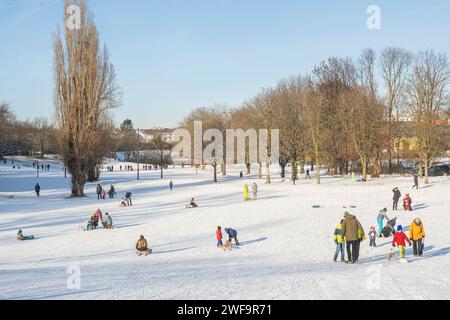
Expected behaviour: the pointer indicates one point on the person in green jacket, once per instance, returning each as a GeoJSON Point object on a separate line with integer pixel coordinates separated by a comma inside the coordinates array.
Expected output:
{"type": "Point", "coordinates": [339, 241]}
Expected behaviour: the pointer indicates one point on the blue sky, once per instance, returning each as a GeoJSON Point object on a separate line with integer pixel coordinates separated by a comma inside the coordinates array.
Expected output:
{"type": "Point", "coordinates": [174, 55]}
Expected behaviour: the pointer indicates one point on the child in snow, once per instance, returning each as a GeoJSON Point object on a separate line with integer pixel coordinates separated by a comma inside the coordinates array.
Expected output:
{"type": "Point", "coordinates": [417, 234]}
{"type": "Point", "coordinates": [107, 221]}
{"type": "Point", "coordinates": [396, 198]}
{"type": "Point", "coordinates": [255, 191]}
{"type": "Point", "coordinates": [232, 234]}
{"type": "Point", "coordinates": [372, 236]}
{"type": "Point", "coordinates": [21, 237]}
{"type": "Point", "coordinates": [103, 194]}
{"type": "Point", "coordinates": [219, 237]}
{"type": "Point", "coordinates": [192, 204]}
{"type": "Point", "coordinates": [245, 192]}
{"type": "Point", "coordinates": [399, 240]}
{"type": "Point", "coordinates": [339, 241]}
{"type": "Point", "coordinates": [407, 203]}
{"type": "Point", "coordinates": [142, 246]}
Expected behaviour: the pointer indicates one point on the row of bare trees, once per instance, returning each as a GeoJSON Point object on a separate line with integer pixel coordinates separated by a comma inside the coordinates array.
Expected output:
{"type": "Point", "coordinates": [340, 117]}
{"type": "Point", "coordinates": [32, 137]}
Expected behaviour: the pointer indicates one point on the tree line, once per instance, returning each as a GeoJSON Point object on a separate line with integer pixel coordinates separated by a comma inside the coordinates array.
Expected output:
{"type": "Point", "coordinates": [348, 115]}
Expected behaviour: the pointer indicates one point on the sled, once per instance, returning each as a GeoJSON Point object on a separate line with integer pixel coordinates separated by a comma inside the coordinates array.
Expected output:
{"type": "Point", "coordinates": [189, 206]}
{"type": "Point", "coordinates": [8, 196]}
{"type": "Point", "coordinates": [139, 253]}
{"type": "Point", "coordinates": [316, 206]}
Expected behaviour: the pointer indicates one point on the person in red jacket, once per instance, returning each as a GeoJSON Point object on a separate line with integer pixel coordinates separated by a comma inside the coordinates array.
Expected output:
{"type": "Point", "coordinates": [407, 203]}
{"type": "Point", "coordinates": [219, 237]}
{"type": "Point", "coordinates": [399, 240]}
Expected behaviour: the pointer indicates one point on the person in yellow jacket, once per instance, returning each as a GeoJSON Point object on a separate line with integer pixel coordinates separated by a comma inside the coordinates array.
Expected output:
{"type": "Point", "coordinates": [245, 192]}
{"type": "Point", "coordinates": [416, 235]}
{"type": "Point", "coordinates": [339, 241]}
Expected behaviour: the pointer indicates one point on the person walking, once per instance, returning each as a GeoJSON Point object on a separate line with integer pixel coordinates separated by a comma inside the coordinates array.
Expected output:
{"type": "Point", "coordinates": [171, 185]}
{"type": "Point", "coordinates": [352, 231]}
{"type": "Point", "coordinates": [417, 236]}
{"type": "Point", "coordinates": [37, 189]}
{"type": "Point", "coordinates": [339, 241]}
{"type": "Point", "coordinates": [416, 181]}
{"type": "Point", "coordinates": [99, 191]}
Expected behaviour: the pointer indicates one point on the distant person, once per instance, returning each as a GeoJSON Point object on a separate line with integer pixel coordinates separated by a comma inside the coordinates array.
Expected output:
{"type": "Point", "coordinates": [37, 189]}
{"type": "Point", "coordinates": [112, 192]}
{"type": "Point", "coordinates": [232, 234]}
{"type": "Point", "coordinates": [241, 175]}
{"type": "Point", "coordinates": [417, 236]}
{"type": "Point", "coordinates": [21, 237]}
{"type": "Point", "coordinates": [245, 192]}
{"type": "Point", "coordinates": [399, 240]}
{"type": "Point", "coordinates": [219, 237]}
{"type": "Point", "coordinates": [373, 237]}
{"type": "Point", "coordinates": [128, 196]}
{"type": "Point", "coordinates": [255, 191]}
{"type": "Point", "coordinates": [99, 191]}
{"type": "Point", "coordinates": [350, 229]}
{"type": "Point", "coordinates": [171, 185]}
{"type": "Point", "coordinates": [103, 194]}
{"type": "Point", "coordinates": [192, 204]}
{"type": "Point", "coordinates": [380, 218]}
{"type": "Point", "coordinates": [339, 241]}
{"type": "Point", "coordinates": [416, 181]}
{"type": "Point", "coordinates": [396, 198]}
{"type": "Point", "coordinates": [48, 167]}
{"type": "Point", "coordinates": [142, 247]}
{"type": "Point", "coordinates": [107, 221]}
{"type": "Point", "coordinates": [307, 176]}
{"type": "Point", "coordinates": [407, 201]}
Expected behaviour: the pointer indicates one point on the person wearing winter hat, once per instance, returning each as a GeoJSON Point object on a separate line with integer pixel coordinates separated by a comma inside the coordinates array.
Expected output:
{"type": "Point", "coordinates": [352, 231]}
{"type": "Point", "coordinates": [381, 216]}
{"type": "Point", "coordinates": [399, 240]}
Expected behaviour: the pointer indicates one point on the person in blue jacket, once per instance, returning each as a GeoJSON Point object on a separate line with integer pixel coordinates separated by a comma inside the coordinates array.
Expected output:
{"type": "Point", "coordinates": [232, 234]}
{"type": "Point", "coordinates": [21, 237]}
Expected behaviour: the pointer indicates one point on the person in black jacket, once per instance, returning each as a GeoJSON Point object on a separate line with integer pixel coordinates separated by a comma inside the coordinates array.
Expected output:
{"type": "Point", "coordinates": [37, 189]}
{"type": "Point", "coordinates": [396, 198]}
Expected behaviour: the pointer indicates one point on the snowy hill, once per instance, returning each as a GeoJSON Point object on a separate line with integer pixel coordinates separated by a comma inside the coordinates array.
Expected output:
{"type": "Point", "coordinates": [286, 251]}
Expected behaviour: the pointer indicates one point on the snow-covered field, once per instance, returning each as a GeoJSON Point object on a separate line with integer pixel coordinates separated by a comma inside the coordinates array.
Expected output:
{"type": "Point", "coordinates": [286, 251]}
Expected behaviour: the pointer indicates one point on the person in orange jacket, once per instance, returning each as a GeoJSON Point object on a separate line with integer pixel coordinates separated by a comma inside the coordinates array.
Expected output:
{"type": "Point", "coordinates": [399, 240]}
{"type": "Point", "coordinates": [219, 237]}
{"type": "Point", "coordinates": [417, 234]}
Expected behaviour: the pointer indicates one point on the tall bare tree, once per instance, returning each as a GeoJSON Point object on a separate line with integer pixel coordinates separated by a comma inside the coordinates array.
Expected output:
{"type": "Point", "coordinates": [394, 67]}
{"type": "Point", "coordinates": [85, 91]}
{"type": "Point", "coordinates": [428, 97]}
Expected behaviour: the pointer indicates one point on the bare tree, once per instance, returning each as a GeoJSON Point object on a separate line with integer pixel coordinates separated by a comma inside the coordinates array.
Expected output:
{"type": "Point", "coordinates": [394, 67]}
{"type": "Point", "coordinates": [427, 98]}
{"type": "Point", "coordinates": [85, 91]}
{"type": "Point", "coordinates": [161, 149]}
{"type": "Point", "coordinates": [43, 131]}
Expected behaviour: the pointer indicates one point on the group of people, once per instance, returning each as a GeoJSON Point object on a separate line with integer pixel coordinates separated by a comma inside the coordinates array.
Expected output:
{"type": "Point", "coordinates": [43, 167]}
{"type": "Point", "coordinates": [232, 235]}
{"type": "Point", "coordinates": [254, 192]}
{"type": "Point", "coordinates": [407, 201]}
{"type": "Point", "coordinates": [101, 193]}
{"type": "Point", "coordinates": [96, 218]}
{"type": "Point", "coordinates": [350, 232]}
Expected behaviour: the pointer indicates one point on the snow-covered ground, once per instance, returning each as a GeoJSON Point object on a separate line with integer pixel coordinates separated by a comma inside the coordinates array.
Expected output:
{"type": "Point", "coordinates": [286, 251]}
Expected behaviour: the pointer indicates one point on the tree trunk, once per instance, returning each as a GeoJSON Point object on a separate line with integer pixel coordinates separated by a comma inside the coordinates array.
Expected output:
{"type": "Point", "coordinates": [426, 170]}
{"type": "Point", "coordinates": [364, 168]}
{"type": "Point", "coordinates": [224, 169]}
{"type": "Point", "coordinates": [259, 170]}
{"type": "Point", "coordinates": [215, 172]}
{"type": "Point", "coordinates": [302, 166]}
{"type": "Point", "coordinates": [283, 169]}
{"type": "Point", "coordinates": [420, 169]}
{"type": "Point", "coordinates": [268, 172]}
{"type": "Point", "coordinates": [318, 170]}
{"type": "Point", "coordinates": [248, 168]}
